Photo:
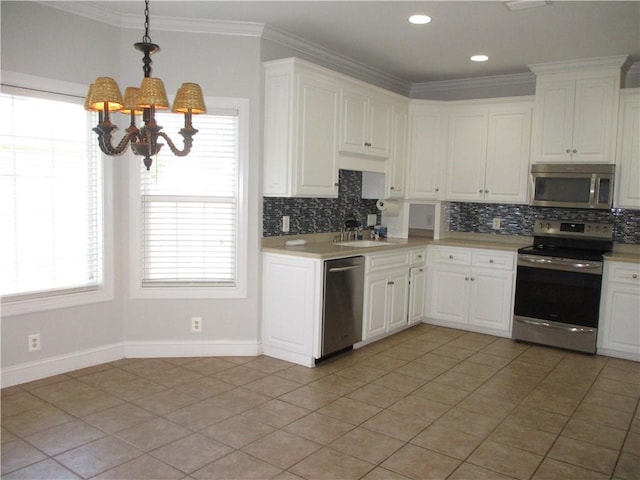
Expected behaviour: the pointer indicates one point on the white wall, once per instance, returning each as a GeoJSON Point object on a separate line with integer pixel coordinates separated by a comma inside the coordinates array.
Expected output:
{"type": "Point", "coordinates": [41, 41]}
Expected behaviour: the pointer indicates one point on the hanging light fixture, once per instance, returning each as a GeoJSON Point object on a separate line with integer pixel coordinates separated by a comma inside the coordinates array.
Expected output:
{"type": "Point", "coordinates": [104, 97]}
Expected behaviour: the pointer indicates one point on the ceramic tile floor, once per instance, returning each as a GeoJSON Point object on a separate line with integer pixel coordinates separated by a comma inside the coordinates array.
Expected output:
{"type": "Point", "coordinates": [426, 403]}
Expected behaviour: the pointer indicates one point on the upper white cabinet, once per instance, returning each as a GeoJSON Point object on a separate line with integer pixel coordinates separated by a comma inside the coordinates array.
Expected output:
{"type": "Point", "coordinates": [397, 163]}
{"type": "Point", "coordinates": [302, 107]}
{"type": "Point", "coordinates": [427, 147]}
{"type": "Point", "coordinates": [576, 110]}
{"type": "Point", "coordinates": [488, 152]}
{"type": "Point", "coordinates": [365, 127]}
{"type": "Point", "coordinates": [628, 152]}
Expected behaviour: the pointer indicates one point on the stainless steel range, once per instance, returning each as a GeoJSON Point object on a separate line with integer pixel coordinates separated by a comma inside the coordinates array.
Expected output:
{"type": "Point", "coordinates": [558, 283]}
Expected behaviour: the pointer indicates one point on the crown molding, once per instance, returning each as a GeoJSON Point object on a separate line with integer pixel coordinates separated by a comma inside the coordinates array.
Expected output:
{"type": "Point", "coordinates": [344, 64]}
{"type": "Point", "coordinates": [427, 89]}
{"type": "Point", "coordinates": [617, 61]}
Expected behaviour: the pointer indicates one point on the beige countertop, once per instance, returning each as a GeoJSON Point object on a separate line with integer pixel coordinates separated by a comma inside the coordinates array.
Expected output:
{"type": "Point", "coordinates": [321, 245]}
{"type": "Point", "coordinates": [624, 253]}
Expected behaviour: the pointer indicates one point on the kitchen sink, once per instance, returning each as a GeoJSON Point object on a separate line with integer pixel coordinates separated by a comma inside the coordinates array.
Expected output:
{"type": "Point", "coordinates": [363, 243]}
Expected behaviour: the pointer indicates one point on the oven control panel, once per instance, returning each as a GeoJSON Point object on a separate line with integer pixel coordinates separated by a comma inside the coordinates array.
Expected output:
{"type": "Point", "coordinates": [559, 228]}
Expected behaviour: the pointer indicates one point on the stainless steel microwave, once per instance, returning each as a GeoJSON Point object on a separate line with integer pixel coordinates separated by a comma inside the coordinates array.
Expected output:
{"type": "Point", "coordinates": [571, 185]}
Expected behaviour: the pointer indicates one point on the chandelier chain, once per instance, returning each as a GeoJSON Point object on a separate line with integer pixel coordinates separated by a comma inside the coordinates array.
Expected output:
{"type": "Point", "coordinates": [146, 38]}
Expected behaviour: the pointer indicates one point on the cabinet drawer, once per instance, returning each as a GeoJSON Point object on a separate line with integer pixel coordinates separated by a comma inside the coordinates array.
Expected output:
{"type": "Point", "coordinates": [376, 263]}
{"type": "Point", "coordinates": [493, 259]}
{"type": "Point", "coordinates": [418, 256]}
{"type": "Point", "coordinates": [628, 273]}
{"type": "Point", "coordinates": [452, 255]}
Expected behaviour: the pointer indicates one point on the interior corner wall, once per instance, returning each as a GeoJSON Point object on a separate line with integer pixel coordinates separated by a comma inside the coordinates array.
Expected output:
{"type": "Point", "coordinates": [42, 41]}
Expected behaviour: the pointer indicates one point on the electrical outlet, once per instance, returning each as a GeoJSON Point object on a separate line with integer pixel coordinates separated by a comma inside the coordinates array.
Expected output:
{"type": "Point", "coordinates": [372, 219]}
{"type": "Point", "coordinates": [496, 223]}
{"type": "Point", "coordinates": [34, 342]}
{"type": "Point", "coordinates": [285, 223]}
{"type": "Point", "coordinates": [196, 324]}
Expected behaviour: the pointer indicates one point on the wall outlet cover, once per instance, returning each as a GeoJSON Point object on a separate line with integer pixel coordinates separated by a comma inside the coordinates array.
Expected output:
{"type": "Point", "coordinates": [372, 219]}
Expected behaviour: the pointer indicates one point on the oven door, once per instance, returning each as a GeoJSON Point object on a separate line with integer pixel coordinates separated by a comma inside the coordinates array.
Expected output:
{"type": "Point", "coordinates": [557, 301]}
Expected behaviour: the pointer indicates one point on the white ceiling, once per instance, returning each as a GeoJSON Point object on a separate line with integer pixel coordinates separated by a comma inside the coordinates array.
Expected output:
{"type": "Point", "coordinates": [377, 34]}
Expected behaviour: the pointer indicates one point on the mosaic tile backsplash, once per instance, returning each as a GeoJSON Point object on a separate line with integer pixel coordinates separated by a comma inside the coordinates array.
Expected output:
{"type": "Point", "coordinates": [319, 215]}
{"type": "Point", "coordinates": [519, 219]}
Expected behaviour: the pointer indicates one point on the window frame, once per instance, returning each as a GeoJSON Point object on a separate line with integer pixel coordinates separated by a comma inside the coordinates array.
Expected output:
{"type": "Point", "coordinates": [29, 85]}
{"type": "Point", "coordinates": [152, 291]}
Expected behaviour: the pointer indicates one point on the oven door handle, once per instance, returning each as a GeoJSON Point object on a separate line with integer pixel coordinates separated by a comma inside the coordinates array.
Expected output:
{"type": "Point", "coordinates": [536, 261]}
{"type": "Point", "coordinates": [542, 323]}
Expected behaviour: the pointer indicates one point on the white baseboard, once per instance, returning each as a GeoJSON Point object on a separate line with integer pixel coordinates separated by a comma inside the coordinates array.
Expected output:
{"type": "Point", "coordinates": [28, 372]}
{"type": "Point", "coordinates": [279, 353]}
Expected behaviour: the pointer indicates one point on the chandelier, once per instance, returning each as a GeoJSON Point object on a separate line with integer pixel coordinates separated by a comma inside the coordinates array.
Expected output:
{"type": "Point", "coordinates": [104, 97]}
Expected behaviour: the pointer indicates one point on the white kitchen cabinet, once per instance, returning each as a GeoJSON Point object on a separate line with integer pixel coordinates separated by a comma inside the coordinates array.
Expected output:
{"type": "Point", "coordinates": [427, 147]}
{"type": "Point", "coordinates": [488, 152]}
{"type": "Point", "coordinates": [394, 291]}
{"type": "Point", "coordinates": [628, 151]}
{"type": "Point", "coordinates": [576, 110]}
{"type": "Point", "coordinates": [619, 327]}
{"type": "Point", "coordinates": [471, 289]}
{"type": "Point", "coordinates": [292, 307]}
{"type": "Point", "coordinates": [365, 122]}
{"type": "Point", "coordinates": [302, 106]}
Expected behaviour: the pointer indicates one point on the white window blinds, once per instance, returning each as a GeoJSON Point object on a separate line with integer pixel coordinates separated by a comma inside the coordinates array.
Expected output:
{"type": "Point", "coordinates": [50, 198]}
{"type": "Point", "coordinates": [190, 206]}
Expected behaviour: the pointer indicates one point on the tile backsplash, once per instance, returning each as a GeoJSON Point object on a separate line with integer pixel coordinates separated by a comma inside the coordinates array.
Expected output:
{"type": "Point", "coordinates": [319, 215]}
{"type": "Point", "coordinates": [518, 219]}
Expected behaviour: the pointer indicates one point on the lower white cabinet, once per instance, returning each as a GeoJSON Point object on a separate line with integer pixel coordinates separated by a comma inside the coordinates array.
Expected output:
{"type": "Point", "coordinates": [471, 289]}
{"type": "Point", "coordinates": [291, 307]}
{"type": "Point", "coordinates": [394, 292]}
{"type": "Point", "coordinates": [619, 328]}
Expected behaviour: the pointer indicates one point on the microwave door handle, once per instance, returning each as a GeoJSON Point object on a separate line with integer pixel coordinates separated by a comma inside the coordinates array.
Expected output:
{"type": "Point", "coordinates": [593, 192]}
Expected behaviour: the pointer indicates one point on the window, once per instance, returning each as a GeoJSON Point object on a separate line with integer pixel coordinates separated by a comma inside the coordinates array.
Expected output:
{"type": "Point", "coordinates": [51, 201]}
{"type": "Point", "coordinates": [191, 211]}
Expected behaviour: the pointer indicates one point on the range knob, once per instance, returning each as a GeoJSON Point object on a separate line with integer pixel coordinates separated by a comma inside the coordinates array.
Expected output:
{"type": "Point", "coordinates": [548, 226]}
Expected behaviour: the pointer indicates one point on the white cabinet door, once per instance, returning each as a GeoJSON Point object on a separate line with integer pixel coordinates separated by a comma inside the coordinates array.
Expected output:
{"type": "Point", "coordinates": [466, 155]}
{"type": "Point", "coordinates": [508, 150]}
{"type": "Point", "coordinates": [554, 114]}
{"type": "Point", "coordinates": [318, 107]}
{"type": "Point", "coordinates": [490, 299]}
{"type": "Point", "coordinates": [427, 143]}
{"type": "Point", "coordinates": [417, 292]}
{"type": "Point", "coordinates": [448, 292]}
{"type": "Point", "coordinates": [622, 320]}
{"type": "Point", "coordinates": [354, 126]}
{"type": "Point", "coordinates": [593, 132]}
{"type": "Point", "coordinates": [398, 292]}
{"type": "Point", "coordinates": [396, 165]}
{"type": "Point", "coordinates": [379, 141]}
{"type": "Point", "coordinates": [628, 157]}
{"type": "Point", "coordinates": [376, 306]}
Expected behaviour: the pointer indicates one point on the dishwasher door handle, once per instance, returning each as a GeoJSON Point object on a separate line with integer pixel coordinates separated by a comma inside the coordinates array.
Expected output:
{"type": "Point", "coordinates": [343, 269]}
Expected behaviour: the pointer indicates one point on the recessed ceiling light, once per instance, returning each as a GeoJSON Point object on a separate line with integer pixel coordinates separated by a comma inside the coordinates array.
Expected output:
{"type": "Point", "coordinates": [479, 58]}
{"type": "Point", "coordinates": [419, 19]}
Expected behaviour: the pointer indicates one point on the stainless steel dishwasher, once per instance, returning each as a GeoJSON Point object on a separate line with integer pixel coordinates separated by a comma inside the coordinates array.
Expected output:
{"type": "Point", "coordinates": [342, 304]}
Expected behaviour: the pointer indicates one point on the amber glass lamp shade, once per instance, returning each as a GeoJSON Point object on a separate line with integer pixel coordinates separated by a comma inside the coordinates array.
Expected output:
{"type": "Point", "coordinates": [104, 92]}
{"type": "Point", "coordinates": [152, 94]}
{"type": "Point", "coordinates": [130, 104]}
{"type": "Point", "coordinates": [189, 99]}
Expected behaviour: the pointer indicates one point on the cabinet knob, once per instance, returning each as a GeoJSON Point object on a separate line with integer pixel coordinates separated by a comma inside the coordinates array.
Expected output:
{"type": "Point", "coordinates": [568, 150]}
{"type": "Point", "coordinates": [634, 276]}
{"type": "Point", "coordinates": [336, 184]}
{"type": "Point", "coordinates": [437, 189]}
{"type": "Point", "coordinates": [419, 256]}
{"type": "Point", "coordinates": [574, 151]}
{"type": "Point", "coordinates": [491, 260]}
{"type": "Point", "coordinates": [486, 191]}
{"type": "Point", "coordinates": [473, 279]}
{"type": "Point", "coordinates": [393, 188]}
{"type": "Point", "coordinates": [480, 191]}
{"type": "Point", "coordinates": [466, 279]}
{"type": "Point", "coordinates": [420, 270]}
{"type": "Point", "coordinates": [367, 144]}
{"type": "Point", "coordinates": [450, 257]}
{"type": "Point", "coordinates": [390, 283]}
